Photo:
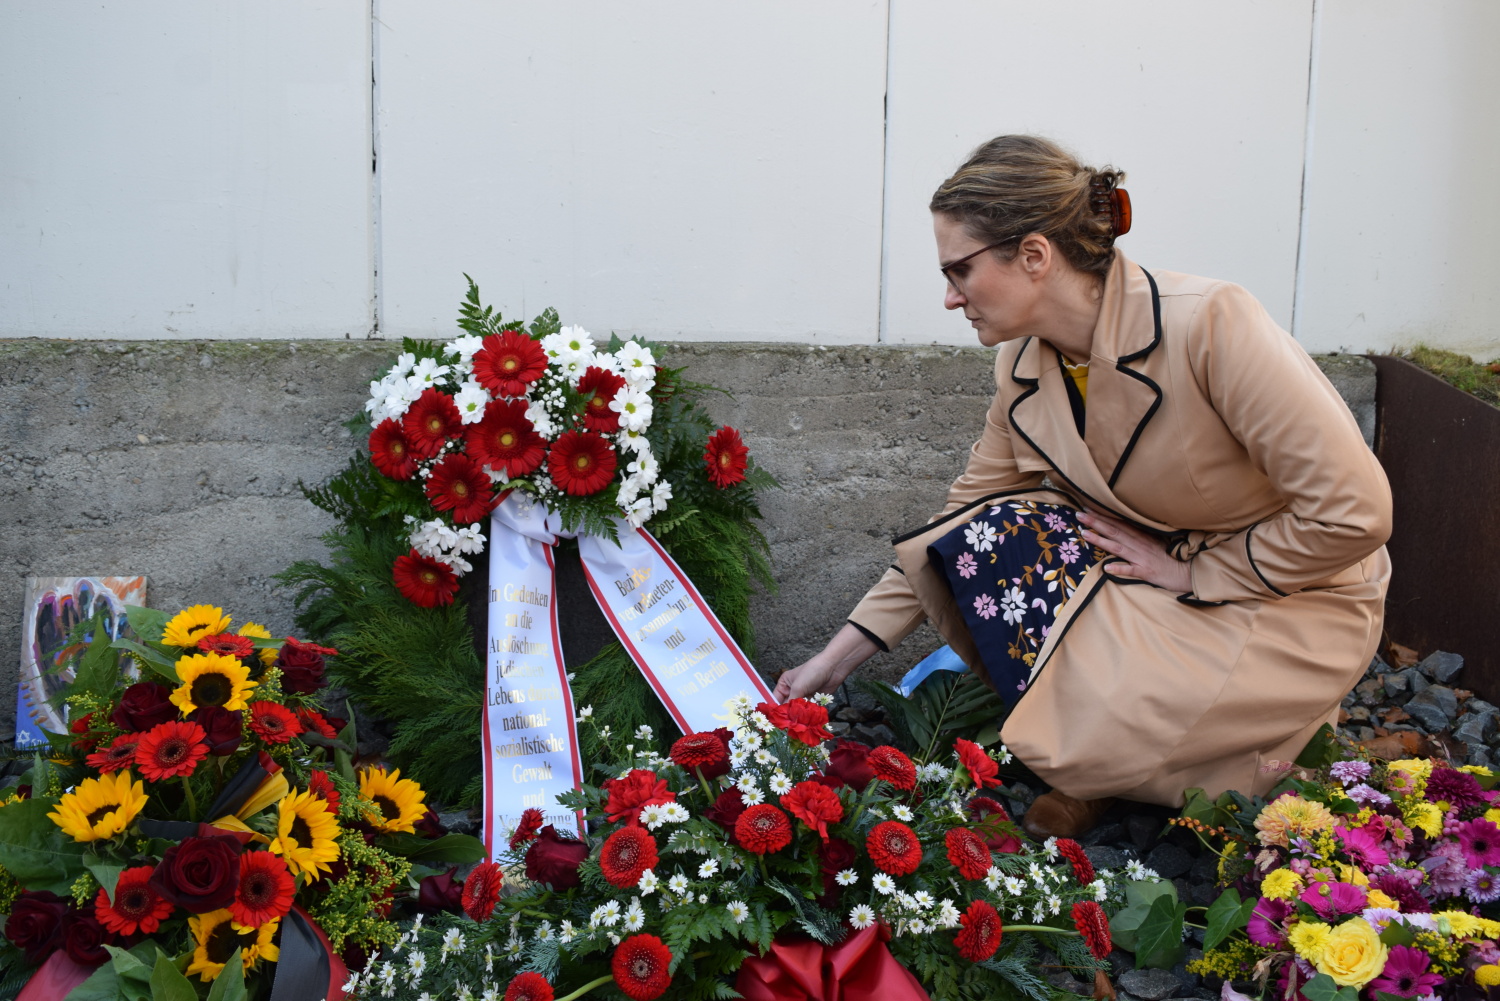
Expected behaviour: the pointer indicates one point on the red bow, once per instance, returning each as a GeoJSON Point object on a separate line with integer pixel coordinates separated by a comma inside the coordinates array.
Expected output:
{"type": "Point", "coordinates": [860, 969]}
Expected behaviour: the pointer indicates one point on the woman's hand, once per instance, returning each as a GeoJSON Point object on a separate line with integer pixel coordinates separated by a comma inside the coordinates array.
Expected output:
{"type": "Point", "coordinates": [1145, 557]}
{"type": "Point", "coordinates": [826, 671]}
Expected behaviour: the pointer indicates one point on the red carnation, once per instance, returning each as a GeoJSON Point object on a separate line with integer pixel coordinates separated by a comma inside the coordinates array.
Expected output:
{"type": "Point", "coordinates": [505, 440]}
{"type": "Point", "coordinates": [390, 452]}
{"type": "Point", "coordinates": [894, 848]}
{"type": "Point", "coordinates": [459, 484]}
{"type": "Point", "coordinates": [815, 805]}
{"type": "Point", "coordinates": [581, 463]}
{"type": "Point", "coordinates": [136, 907]}
{"type": "Point", "coordinates": [641, 967]}
{"type": "Point", "coordinates": [320, 785]}
{"type": "Point", "coordinates": [986, 812]}
{"type": "Point", "coordinates": [528, 986]}
{"type": "Point", "coordinates": [228, 644]}
{"type": "Point", "coordinates": [1083, 869]}
{"type": "Point", "coordinates": [968, 853]}
{"type": "Point", "coordinates": [1093, 924]}
{"type": "Point", "coordinates": [980, 934]}
{"type": "Point", "coordinates": [430, 422]}
{"type": "Point", "coordinates": [119, 754]}
{"type": "Point", "coordinates": [631, 792]}
{"type": "Point", "coordinates": [626, 854]}
{"type": "Point", "coordinates": [313, 722]}
{"type": "Point", "coordinates": [604, 384]}
{"type": "Point", "coordinates": [801, 719]}
{"type": "Point", "coordinates": [892, 766]}
{"type": "Point", "coordinates": [481, 890]}
{"type": "Point", "coordinates": [170, 749]}
{"type": "Point", "coordinates": [531, 822]}
{"type": "Point", "coordinates": [763, 829]}
{"type": "Point", "coordinates": [978, 764]}
{"type": "Point", "coordinates": [265, 889]}
{"type": "Point", "coordinates": [508, 362]}
{"type": "Point", "coordinates": [706, 753]}
{"type": "Point", "coordinates": [726, 457]}
{"type": "Point", "coordinates": [274, 723]}
{"type": "Point", "coordinates": [424, 581]}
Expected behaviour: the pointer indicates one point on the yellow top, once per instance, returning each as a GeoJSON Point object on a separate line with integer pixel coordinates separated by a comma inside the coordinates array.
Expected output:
{"type": "Point", "coordinates": [1080, 376]}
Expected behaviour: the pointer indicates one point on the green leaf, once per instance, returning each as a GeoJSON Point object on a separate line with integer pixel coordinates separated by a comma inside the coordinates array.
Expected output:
{"type": "Point", "coordinates": [107, 873]}
{"type": "Point", "coordinates": [149, 624]}
{"type": "Point", "coordinates": [1159, 940]}
{"type": "Point", "coordinates": [102, 985]}
{"type": "Point", "coordinates": [1321, 751]}
{"type": "Point", "coordinates": [99, 667]}
{"type": "Point", "coordinates": [154, 659]}
{"type": "Point", "coordinates": [1139, 896]}
{"type": "Point", "coordinates": [1397, 933]}
{"type": "Point", "coordinates": [167, 984]}
{"type": "Point", "coordinates": [460, 848]}
{"type": "Point", "coordinates": [1322, 988]}
{"type": "Point", "coordinates": [1226, 916]}
{"type": "Point", "coordinates": [229, 985]}
{"type": "Point", "coordinates": [35, 850]}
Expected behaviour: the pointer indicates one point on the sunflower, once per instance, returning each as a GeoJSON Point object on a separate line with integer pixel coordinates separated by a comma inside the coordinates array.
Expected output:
{"type": "Point", "coordinates": [306, 834]}
{"type": "Point", "coordinates": [256, 631]}
{"type": "Point", "coordinates": [211, 679]}
{"type": "Point", "coordinates": [216, 935]}
{"type": "Point", "coordinates": [187, 626]}
{"type": "Point", "coordinates": [100, 808]}
{"type": "Point", "coordinates": [398, 801]}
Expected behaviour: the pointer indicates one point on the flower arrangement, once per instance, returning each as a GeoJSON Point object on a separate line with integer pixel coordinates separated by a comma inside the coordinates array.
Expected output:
{"type": "Point", "coordinates": [544, 410]}
{"type": "Point", "coordinates": [1369, 877]}
{"type": "Point", "coordinates": [190, 816]}
{"type": "Point", "coordinates": [753, 850]}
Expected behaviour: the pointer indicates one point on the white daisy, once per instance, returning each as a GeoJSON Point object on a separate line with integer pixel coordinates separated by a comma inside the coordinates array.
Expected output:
{"type": "Point", "coordinates": [846, 877]}
{"type": "Point", "coordinates": [1100, 890]}
{"type": "Point", "coordinates": [417, 963]}
{"type": "Point", "coordinates": [738, 758]}
{"type": "Point", "coordinates": [648, 882]}
{"type": "Point", "coordinates": [917, 926]}
{"type": "Point", "coordinates": [746, 784]}
{"type": "Point", "coordinates": [753, 740]}
{"type": "Point", "coordinates": [1054, 904]}
{"type": "Point", "coordinates": [753, 798]}
{"type": "Point", "coordinates": [923, 899]}
{"type": "Point", "coordinates": [675, 813]}
{"type": "Point", "coordinates": [902, 812]}
{"type": "Point", "coordinates": [635, 918]}
{"type": "Point", "coordinates": [780, 783]}
{"type": "Point", "coordinates": [708, 868]}
{"type": "Point", "coordinates": [605, 914]}
{"type": "Point", "coordinates": [822, 698]}
{"type": "Point", "coordinates": [1038, 915]}
{"type": "Point", "coordinates": [1049, 849]}
{"type": "Point", "coordinates": [1014, 885]}
{"type": "Point", "coordinates": [653, 816]}
{"type": "Point", "coordinates": [761, 722]}
{"type": "Point", "coordinates": [861, 916]}
{"type": "Point", "coordinates": [678, 883]}
{"type": "Point", "coordinates": [702, 898]}
{"type": "Point", "coordinates": [884, 883]}
{"type": "Point", "coordinates": [992, 879]}
{"type": "Point", "coordinates": [764, 757]}
{"type": "Point", "coordinates": [948, 914]}
{"type": "Point", "coordinates": [738, 911]}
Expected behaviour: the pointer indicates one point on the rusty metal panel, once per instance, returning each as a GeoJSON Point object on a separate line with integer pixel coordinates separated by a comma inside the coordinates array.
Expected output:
{"type": "Point", "coordinates": [1440, 448]}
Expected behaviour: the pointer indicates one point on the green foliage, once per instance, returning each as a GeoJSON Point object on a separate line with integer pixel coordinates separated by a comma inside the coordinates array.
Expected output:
{"type": "Point", "coordinates": [1140, 895]}
{"type": "Point", "coordinates": [1226, 916]}
{"type": "Point", "coordinates": [945, 706]}
{"type": "Point", "coordinates": [35, 850]}
{"type": "Point", "coordinates": [1323, 988]}
{"type": "Point", "coordinates": [1322, 750]}
{"type": "Point", "coordinates": [1461, 371]}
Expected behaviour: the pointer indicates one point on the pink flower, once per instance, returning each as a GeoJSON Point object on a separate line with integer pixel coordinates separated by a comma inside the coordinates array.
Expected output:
{"type": "Point", "coordinates": [1055, 522]}
{"type": "Point", "coordinates": [1333, 899]}
{"type": "Point", "coordinates": [1480, 840]}
{"type": "Point", "coordinates": [1068, 552]}
{"type": "Point", "coordinates": [1363, 847]}
{"type": "Point", "coordinates": [966, 566]}
{"type": "Point", "coordinates": [1406, 973]}
{"type": "Point", "coordinates": [1265, 922]}
{"type": "Point", "coordinates": [985, 607]}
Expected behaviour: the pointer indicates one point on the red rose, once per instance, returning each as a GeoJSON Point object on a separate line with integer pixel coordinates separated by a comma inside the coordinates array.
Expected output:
{"type": "Point", "coordinates": [628, 794]}
{"type": "Point", "coordinates": [301, 667]}
{"type": "Point", "coordinates": [35, 923]}
{"type": "Point", "coordinates": [815, 805]}
{"type": "Point", "coordinates": [726, 810]}
{"type": "Point", "coordinates": [142, 706]}
{"type": "Point", "coordinates": [802, 720]}
{"type": "Point", "coordinates": [223, 729]}
{"type": "Point", "coordinates": [849, 765]}
{"type": "Point", "coordinates": [982, 809]}
{"type": "Point", "coordinates": [481, 890]}
{"type": "Point", "coordinates": [706, 753]}
{"type": "Point", "coordinates": [430, 826]}
{"type": "Point", "coordinates": [554, 859]}
{"type": "Point", "coordinates": [978, 764]}
{"type": "Point", "coordinates": [440, 893]}
{"type": "Point", "coordinates": [82, 725]}
{"type": "Point", "coordinates": [84, 938]}
{"type": "Point", "coordinates": [199, 874]}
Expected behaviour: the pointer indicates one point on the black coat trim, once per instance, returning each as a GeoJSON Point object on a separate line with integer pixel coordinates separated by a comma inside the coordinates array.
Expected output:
{"type": "Point", "coordinates": [1135, 356]}
{"type": "Point", "coordinates": [982, 500]}
{"type": "Point", "coordinates": [1251, 557]}
{"type": "Point", "coordinates": [870, 636]}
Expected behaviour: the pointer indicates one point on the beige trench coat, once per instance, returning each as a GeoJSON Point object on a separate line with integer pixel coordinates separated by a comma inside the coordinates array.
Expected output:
{"type": "Point", "coordinates": [1208, 425]}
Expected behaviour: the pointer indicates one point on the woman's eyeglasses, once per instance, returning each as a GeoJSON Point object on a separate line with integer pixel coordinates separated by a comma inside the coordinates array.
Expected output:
{"type": "Point", "coordinates": [956, 272]}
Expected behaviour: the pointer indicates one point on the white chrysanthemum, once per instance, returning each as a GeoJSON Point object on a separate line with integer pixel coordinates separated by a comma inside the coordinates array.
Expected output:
{"type": "Point", "coordinates": [861, 916]}
{"type": "Point", "coordinates": [676, 813]}
{"type": "Point", "coordinates": [780, 783]}
{"type": "Point", "coordinates": [753, 798]}
{"type": "Point", "coordinates": [433, 538]}
{"type": "Point", "coordinates": [884, 883]}
{"type": "Point", "coordinates": [645, 468]}
{"type": "Point", "coordinates": [607, 913]}
{"type": "Point", "coordinates": [634, 441]}
{"type": "Point", "coordinates": [470, 400]}
{"type": "Point", "coordinates": [992, 879]}
{"type": "Point", "coordinates": [541, 420]}
{"type": "Point", "coordinates": [902, 812]}
{"type": "Point", "coordinates": [634, 408]}
{"type": "Point", "coordinates": [404, 363]}
{"type": "Point", "coordinates": [428, 372]}
{"type": "Point", "coordinates": [708, 868]}
{"type": "Point", "coordinates": [644, 732]}
{"type": "Point", "coordinates": [653, 816]}
{"type": "Point", "coordinates": [948, 914]}
{"type": "Point", "coordinates": [635, 918]}
{"type": "Point", "coordinates": [661, 496]}
{"type": "Point", "coordinates": [738, 911]}
{"type": "Point", "coordinates": [639, 511]}
{"type": "Point", "coordinates": [648, 882]}
{"type": "Point", "coordinates": [846, 877]}
{"type": "Point", "coordinates": [678, 883]}
{"type": "Point", "coordinates": [575, 341]}
{"type": "Point", "coordinates": [637, 364]}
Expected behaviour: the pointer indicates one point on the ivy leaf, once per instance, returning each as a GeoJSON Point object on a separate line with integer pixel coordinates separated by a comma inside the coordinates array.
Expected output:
{"type": "Point", "coordinates": [1226, 916]}
{"type": "Point", "coordinates": [1159, 940]}
{"type": "Point", "coordinates": [1139, 896]}
{"type": "Point", "coordinates": [1322, 988]}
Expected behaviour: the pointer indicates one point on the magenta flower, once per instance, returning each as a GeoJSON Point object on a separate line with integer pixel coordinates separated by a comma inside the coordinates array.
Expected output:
{"type": "Point", "coordinates": [1482, 886]}
{"type": "Point", "coordinates": [1452, 786]}
{"type": "Point", "coordinates": [1333, 899]}
{"type": "Point", "coordinates": [1445, 868]}
{"type": "Point", "coordinates": [1363, 847]}
{"type": "Point", "coordinates": [1401, 886]}
{"type": "Point", "coordinates": [1480, 841]}
{"type": "Point", "coordinates": [1265, 921]}
{"type": "Point", "coordinates": [1406, 973]}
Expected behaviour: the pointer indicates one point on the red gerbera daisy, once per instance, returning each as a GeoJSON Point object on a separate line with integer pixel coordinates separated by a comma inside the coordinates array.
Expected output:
{"type": "Point", "coordinates": [802, 720]}
{"type": "Point", "coordinates": [424, 581]}
{"type": "Point", "coordinates": [170, 749]}
{"type": "Point", "coordinates": [1083, 869]}
{"type": "Point", "coordinates": [815, 805]}
{"type": "Point", "coordinates": [274, 723]}
{"type": "Point", "coordinates": [119, 754]}
{"type": "Point", "coordinates": [459, 484]}
{"type": "Point", "coordinates": [726, 457]}
{"type": "Point", "coordinates": [531, 822]}
{"type": "Point", "coordinates": [894, 848]}
{"type": "Point", "coordinates": [136, 906]}
{"type": "Point", "coordinates": [319, 784]}
{"type": "Point", "coordinates": [641, 967]}
{"type": "Point", "coordinates": [604, 384]}
{"type": "Point", "coordinates": [481, 890]}
{"type": "Point", "coordinates": [581, 463]}
{"type": "Point", "coordinates": [390, 452]}
{"type": "Point", "coordinates": [706, 752]}
{"type": "Point", "coordinates": [508, 362]}
{"type": "Point", "coordinates": [967, 853]}
{"type": "Point", "coordinates": [894, 767]}
{"type": "Point", "coordinates": [978, 764]}
{"type": "Point", "coordinates": [980, 935]}
{"type": "Point", "coordinates": [431, 420]}
{"type": "Point", "coordinates": [265, 891]}
{"type": "Point", "coordinates": [763, 829]}
{"type": "Point", "coordinates": [626, 854]}
{"type": "Point", "coordinates": [1093, 924]}
{"type": "Point", "coordinates": [313, 722]}
{"type": "Point", "coordinates": [528, 986]}
{"type": "Point", "coordinates": [505, 440]}
{"type": "Point", "coordinates": [228, 644]}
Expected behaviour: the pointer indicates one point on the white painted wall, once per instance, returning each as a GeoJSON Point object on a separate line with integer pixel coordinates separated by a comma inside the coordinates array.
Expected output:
{"type": "Point", "coordinates": [742, 170]}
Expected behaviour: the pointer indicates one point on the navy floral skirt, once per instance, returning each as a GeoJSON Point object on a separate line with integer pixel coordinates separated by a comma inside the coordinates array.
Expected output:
{"type": "Point", "coordinates": [1011, 569]}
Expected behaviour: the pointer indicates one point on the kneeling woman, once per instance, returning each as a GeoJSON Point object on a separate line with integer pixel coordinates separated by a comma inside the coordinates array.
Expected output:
{"type": "Point", "coordinates": [1166, 550]}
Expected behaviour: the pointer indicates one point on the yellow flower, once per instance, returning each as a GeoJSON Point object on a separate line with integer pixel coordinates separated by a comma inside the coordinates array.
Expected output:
{"type": "Point", "coordinates": [211, 679]}
{"type": "Point", "coordinates": [1426, 817]}
{"type": "Point", "coordinates": [1478, 770]}
{"type": "Point", "coordinates": [1283, 884]}
{"type": "Point", "coordinates": [398, 801]}
{"type": "Point", "coordinates": [190, 625]}
{"type": "Point", "coordinates": [100, 808]}
{"type": "Point", "coordinates": [1493, 815]}
{"type": "Point", "coordinates": [256, 631]}
{"type": "Point", "coordinates": [216, 935]}
{"type": "Point", "coordinates": [1308, 939]}
{"type": "Point", "coordinates": [1465, 925]}
{"type": "Point", "coordinates": [1353, 954]}
{"type": "Point", "coordinates": [1487, 975]}
{"type": "Point", "coordinates": [306, 834]}
{"type": "Point", "coordinates": [1378, 898]}
{"type": "Point", "coordinates": [1292, 817]}
{"type": "Point", "coordinates": [1352, 874]}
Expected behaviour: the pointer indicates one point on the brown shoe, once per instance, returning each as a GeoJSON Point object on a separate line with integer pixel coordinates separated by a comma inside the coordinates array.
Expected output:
{"type": "Point", "coordinates": [1058, 815]}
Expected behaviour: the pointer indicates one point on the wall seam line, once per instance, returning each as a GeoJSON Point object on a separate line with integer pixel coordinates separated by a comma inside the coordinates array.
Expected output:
{"type": "Point", "coordinates": [1299, 272]}
{"type": "Point", "coordinates": [883, 272]}
{"type": "Point", "coordinates": [377, 243]}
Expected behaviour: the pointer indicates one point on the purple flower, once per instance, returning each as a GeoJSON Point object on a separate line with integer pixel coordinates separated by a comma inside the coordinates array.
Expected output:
{"type": "Point", "coordinates": [1333, 899]}
{"type": "Point", "coordinates": [984, 606]}
{"type": "Point", "coordinates": [1452, 786]}
{"type": "Point", "coordinates": [1380, 917]}
{"type": "Point", "coordinates": [1055, 522]}
{"type": "Point", "coordinates": [1264, 927]}
{"type": "Point", "coordinates": [1366, 796]}
{"type": "Point", "coordinates": [1401, 886]}
{"type": "Point", "coordinates": [966, 566]}
{"type": "Point", "coordinates": [1445, 868]}
{"type": "Point", "coordinates": [1480, 840]}
{"type": "Point", "coordinates": [1350, 771]}
{"type": "Point", "coordinates": [1406, 973]}
{"type": "Point", "coordinates": [1481, 886]}
{"type": "Point", "coordinates": [1363, 847]}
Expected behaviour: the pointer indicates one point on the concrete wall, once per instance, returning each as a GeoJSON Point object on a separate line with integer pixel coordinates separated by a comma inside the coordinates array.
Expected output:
{"type": "Point", "coordinates": [180, 460]}
{"type": "Point", "coordinates": [737, 171]}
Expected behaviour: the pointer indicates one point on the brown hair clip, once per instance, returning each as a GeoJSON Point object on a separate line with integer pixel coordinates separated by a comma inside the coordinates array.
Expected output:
{"type": "Point", "coordinates": [1116, 201]}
